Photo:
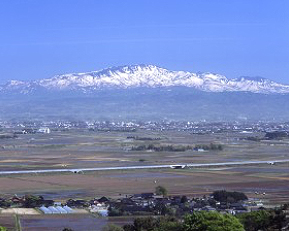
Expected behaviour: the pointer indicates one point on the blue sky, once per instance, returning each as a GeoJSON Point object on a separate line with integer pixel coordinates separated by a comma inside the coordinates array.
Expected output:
{"type": "Point", "coordinates": [40, 39]}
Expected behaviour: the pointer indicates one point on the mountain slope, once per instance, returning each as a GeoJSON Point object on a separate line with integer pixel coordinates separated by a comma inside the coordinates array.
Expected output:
{"type": "Point", "coordinates": [145, 104]}
{"type": "Point", "coordinates": [146, 76]}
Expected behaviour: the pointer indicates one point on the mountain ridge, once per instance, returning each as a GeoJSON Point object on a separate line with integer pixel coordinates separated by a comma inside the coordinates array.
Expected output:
{"type": "Point", "coordinates": [133, 76]}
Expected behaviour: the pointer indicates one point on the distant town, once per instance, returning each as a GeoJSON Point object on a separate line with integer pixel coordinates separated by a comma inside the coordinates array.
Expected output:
{"type": "Point", "coordinates": [203, 127]}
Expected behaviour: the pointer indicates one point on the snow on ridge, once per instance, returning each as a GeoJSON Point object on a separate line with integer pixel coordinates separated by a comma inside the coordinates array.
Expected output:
{"type": "Point", "coordinates": [126, 76]}
{"type": "Point", "coordinates": [15, 83]}
{"type": "Point", "coordinates": [153, 76]}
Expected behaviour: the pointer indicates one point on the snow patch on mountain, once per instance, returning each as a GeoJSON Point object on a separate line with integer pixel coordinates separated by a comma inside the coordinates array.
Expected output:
{"type": "Point", "coordinates": [148, 76]}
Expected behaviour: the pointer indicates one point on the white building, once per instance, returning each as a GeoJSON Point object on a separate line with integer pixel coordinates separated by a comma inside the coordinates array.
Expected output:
{"type": "Point", "coordinates": [44, 130]}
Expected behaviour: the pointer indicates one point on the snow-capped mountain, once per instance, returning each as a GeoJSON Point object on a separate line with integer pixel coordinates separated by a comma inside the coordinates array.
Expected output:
{"type": "Point", "coordinates": [147, 76]}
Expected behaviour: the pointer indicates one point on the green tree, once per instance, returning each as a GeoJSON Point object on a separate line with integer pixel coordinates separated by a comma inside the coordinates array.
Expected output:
{"type": "Point", "coordinates": [160, 190]}
{"type": "Point", "coordinates": [168, 224]}
{"type": "Point", "coordinates": [31, 201]}
{"type": "Point", "coordinates": [161, 208]}
{"type": "Point", "coordinates": [211, 221]}
{"type": "Point", "coordinates": [112, 227]}
{"type": "Point", "coordinates": [256, 220]}
{"type": "Point", "coordinates": [231, 197]}
{"type": "Point", "coordinates": [154, 224]}
{"type": "Point", "coordinates": [147, 223]}
{"type": "Point", "coordinates": [278, 219]}
{"type": "Point", "coordinates": [184, 199]}
{"type": "Point", "coordinates": [3, 228]}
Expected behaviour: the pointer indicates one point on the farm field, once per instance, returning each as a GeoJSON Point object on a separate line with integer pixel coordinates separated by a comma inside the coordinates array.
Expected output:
{"type": "Point", "coordinates": [77, 222]}
{"type": "Point", "coordinates": [79, 148]}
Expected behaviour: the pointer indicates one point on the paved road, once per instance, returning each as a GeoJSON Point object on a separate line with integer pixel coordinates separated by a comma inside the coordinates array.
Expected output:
{"type": "Point", "coordinates": [188, 165]}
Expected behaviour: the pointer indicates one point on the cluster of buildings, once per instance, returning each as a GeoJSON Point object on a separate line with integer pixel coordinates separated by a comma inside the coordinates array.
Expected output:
{"type": "Point", "coordinates": [137, 204]}
{"type": "Point", "coordinates": [191, 126]}
{"type": "Point", "coordinates": [151, 204]}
